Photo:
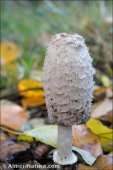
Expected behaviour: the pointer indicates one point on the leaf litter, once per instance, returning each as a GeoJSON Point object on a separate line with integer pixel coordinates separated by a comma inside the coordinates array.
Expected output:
{"type": "Point", "coordinates": [26, 131]}
{"type": "Point", "coordinates": [40, 138]}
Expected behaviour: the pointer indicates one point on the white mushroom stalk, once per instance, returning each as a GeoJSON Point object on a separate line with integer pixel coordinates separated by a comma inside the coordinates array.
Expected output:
{"type": "Point", "coordinates": [68, 87]}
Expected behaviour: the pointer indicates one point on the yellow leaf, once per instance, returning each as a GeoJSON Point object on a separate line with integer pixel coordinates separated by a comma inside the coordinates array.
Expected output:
{"type": "Point", "coordinates": [9, 52]}
{"type": "Point", "coordinates": [32, 92]}
{"type": "Point", "coordinates": [105, 81]}
{"type": "Point", "coordinates": [104, 133]}
{"type": "Point", "coordinates": [25, 138]}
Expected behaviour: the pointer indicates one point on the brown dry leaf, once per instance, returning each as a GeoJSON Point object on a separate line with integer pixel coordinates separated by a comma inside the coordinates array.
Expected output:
{"type": "Point", "coordinates": [83, 138]}
{"type": "Point", "coordinates": [108, 117]}
{"type": "Point", "coordinates": [103, 162]}
{"type": "Point", "coordinates": [9, 52]}
{"type": "Point", "coordinates": [109, 93]}
{"type": "Point", "coordinates": [32, 92]}
{"type": "Point", "coordinates": [12, 115]}
{"type": "Point", "coordinates": [101, 92]}
{"type": "Point", "coordinates": [3, 136]}
{"type": "Point", "coordinates": [8, 148]}
{"type": "Point", "coordinates": [102, 108]}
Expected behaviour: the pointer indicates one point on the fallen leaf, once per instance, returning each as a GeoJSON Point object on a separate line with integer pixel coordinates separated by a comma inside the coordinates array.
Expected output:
{"type": "Point", "coordinates": [108, 117]}
{"type": "Point", "coordinates": [32, 92]}
{"type": "Point", "coordinates": [12, 115]}
{"type": "Point", "coordinates": [101, 92]}
{"type": "Point", "coordinates": [33, 123]}
{"type": "Point", "coordinates": [36, 122]}
{"type": "Point", "coordinates": [48, 134]}
{"type": "Point", "coordinates": [85, 167]}
{"type": "Point", "coordinates": [8, 148]}
{"type": "Point", "coordinates": [103, 162]}
{"type": "Point", "coordinates": [103, 132]}
{"type": "Point", "coordinates": [30, 85]}
{"type": "Point", "coordinates": [9, 52]}
{"type": "Point", "coordinates": [83, 138]}
{"type": "Point", "coordinates": [89, 159]}
{"type": "Point", "coordinates": [25, 138]}
{"type": "Point", "coordinates": [33, 101]}
{"type": "Point", "coordinates": [102, 108]}
{"type": "Point", "coordinates": [109, 93]}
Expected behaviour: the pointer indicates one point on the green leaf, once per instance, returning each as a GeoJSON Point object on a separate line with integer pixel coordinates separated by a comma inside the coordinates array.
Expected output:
{"type": "Point", "coordinates": [88, 158]}
{"type": "Point", "coordinates": [48, 134]}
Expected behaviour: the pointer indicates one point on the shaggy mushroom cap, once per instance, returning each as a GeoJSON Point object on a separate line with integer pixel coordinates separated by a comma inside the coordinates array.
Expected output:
{"type": "Point", "coordinates": [68, 80]}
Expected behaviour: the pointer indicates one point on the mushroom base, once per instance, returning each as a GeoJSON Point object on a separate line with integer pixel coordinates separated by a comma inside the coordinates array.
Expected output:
{"type": "Point", "coordinates": [64, 155]}
{"type": "Point", "coordinates": [68, 161]}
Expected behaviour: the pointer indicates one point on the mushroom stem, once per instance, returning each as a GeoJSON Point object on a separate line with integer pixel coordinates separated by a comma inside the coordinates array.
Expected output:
{"type": "Point", "coordinates": [64, 155]}
{"type": "Point", "coordinates": [64, 141]}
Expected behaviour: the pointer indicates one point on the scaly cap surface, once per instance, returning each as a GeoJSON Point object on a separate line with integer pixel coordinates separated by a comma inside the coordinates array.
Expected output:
{"type": "Point", "coordinates": [68, 80]}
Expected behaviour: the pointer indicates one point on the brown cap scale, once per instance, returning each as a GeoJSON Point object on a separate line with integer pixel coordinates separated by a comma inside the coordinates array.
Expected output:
{"type": "Point", "coordinates": [68, 87]}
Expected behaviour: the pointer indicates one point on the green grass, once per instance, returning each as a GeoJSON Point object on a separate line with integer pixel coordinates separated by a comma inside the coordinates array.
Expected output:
{"type": "Point", "coordinates": [25, 22]}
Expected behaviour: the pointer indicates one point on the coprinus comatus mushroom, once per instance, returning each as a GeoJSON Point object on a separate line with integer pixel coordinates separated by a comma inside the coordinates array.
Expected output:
{"type": "Point", "coordinates": [68, 87]}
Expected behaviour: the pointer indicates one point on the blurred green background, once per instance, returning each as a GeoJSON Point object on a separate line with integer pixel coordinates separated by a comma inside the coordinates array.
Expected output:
{"type": "Point", "coordinates": [30, 25]}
